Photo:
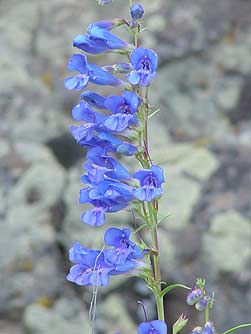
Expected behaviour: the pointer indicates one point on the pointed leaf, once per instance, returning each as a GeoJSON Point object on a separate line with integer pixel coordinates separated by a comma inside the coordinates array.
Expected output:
{"type": "Point", "coordinates": [233, 329]}
{"type": "Point", "coordinates": [173, 286]}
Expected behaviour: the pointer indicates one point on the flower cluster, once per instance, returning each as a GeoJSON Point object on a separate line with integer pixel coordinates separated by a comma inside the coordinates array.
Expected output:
{"type": "Point", "coordinates": [198, 296]}
{"type": "Point", "coordinates": [94, 267]}
{"type": "Point", "coordinates": [107, 122]}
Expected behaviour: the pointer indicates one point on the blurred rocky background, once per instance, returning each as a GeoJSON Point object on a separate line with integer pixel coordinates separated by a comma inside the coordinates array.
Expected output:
{"type": "Point", "coordinates": [202, 136]}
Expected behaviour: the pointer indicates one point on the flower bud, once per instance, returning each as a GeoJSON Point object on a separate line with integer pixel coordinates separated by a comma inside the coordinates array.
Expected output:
{"type": "Point", "coordinates": [196, 330]}
{"type": "Point", "coordinates": [194, 296]}
{"type": "Point", "coordinates": [201, 304]}
{"type": "Point", "coordinates": [208, 328]}
{"type": "Point", "coordinates": [136, 11]}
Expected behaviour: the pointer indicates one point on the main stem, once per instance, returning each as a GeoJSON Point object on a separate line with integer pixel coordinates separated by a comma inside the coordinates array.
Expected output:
{"type": "Point", "coordinates": [145, 161]}
{"type": "Point", "coordinates": [153, 221]}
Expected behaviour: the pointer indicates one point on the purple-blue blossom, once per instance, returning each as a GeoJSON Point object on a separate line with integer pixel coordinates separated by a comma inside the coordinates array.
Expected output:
{"type": "Point", "coordinates": [124, 248]}
{"type": "Point", "coordinates": [145, 63]}
{"type": "Point", "coordinates": [208, 328]}
{"type": "Point", "coordinates": [93, 267]}
{"type": "Point", "coordinates": [153, 327]}
{"type": "Point", "coordinates": [94, 99]}
{"type": "Point", "coordinates": [90, 269]}
{"type": "Point", "coordinates": [87, 72]}
{"type": "Point", "coordinates": [150, 183]}
{"type": "Point", "coordinates": [99, 39]}
{"type": "Point", "coordinates": [124, 106]}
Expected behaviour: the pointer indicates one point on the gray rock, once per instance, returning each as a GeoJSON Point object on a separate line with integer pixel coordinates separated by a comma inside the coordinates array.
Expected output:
{"type": "Point", "coordinates": [59, 319]}
{"type": "Point", "coordinates": [227, 243]}
{"type": "Point", "coordinates": [115, 316]}
{"type": "Point", "coordinates": [28, 240]}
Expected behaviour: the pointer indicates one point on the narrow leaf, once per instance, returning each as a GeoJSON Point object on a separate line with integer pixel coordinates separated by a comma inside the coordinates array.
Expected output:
{"type": "Point", "coordinates": [236, 328]}
{"type": "Point", "coordinates": [173, 286]}
{"type": "Point", "coordinates": [153, 113]}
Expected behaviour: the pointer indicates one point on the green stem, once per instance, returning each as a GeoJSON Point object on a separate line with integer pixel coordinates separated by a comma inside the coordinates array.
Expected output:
{"type": "Point", "coordinates": [207, 314]}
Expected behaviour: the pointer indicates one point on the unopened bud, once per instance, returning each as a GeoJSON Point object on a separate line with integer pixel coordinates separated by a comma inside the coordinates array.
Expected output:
{"type": "Point", "coordinates": [136, 11]}
{"type": "Point", "coordinates": [194, 296]}
{"type": "Point", "coordinates": [196, 330]}
{"type": "Point", "coordinates": [201, 304]}
{"type": "Point", "coordinates": [208, 328]}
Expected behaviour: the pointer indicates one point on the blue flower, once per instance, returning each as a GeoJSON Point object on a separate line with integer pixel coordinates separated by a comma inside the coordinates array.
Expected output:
{"type": "Point", "coordinates": [99, 157]}
{"type": "Point", "coordinates": [94, 99]}
{"type": "Point", "coordinates": [153, 327]}
{"type": "Point", "coordinates": [150, 183]}
{"type": "Point", "coordinates": [94, 217]}
{"type": "Point", "coordinates": [124, 110]}
{"type": "Point", "coordinates": [88, 72]}
{"type": "Point", "coordinates": [124, 248]}
{"type": "Point", "coordinates": [145, 63]}
{"type": "Point", "coordinates": [83, 112]}
{"type": "Point", "coordinates": [91, 268]}
{"type": "Point", "coordinates": [99, 40]}
{"type": "Point", "coordinates": [136, 11]}
{"type": "Point", "coordinates": [117, 145]}
{"type": "Point", "coordinates": [108, 195]}
{"type": "Point", "coordinates": [78, 63]}
{"type": "Point", "coordinates": [96, 173]}
{"type": "Point", "coordinates": [107, 25]}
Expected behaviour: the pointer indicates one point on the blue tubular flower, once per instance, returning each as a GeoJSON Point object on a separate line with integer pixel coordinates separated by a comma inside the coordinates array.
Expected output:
{"type": "Point", "coordinates": [99, 39]}
{"type": "Point", "coordinates": [107, 25]}
{"type": "Point", "coordinates": [88, 72]}
{"type": "Point", "coordinates": [77, 63]}
{"type": "Point", "coordinates": [94, 217]}
{"type": "Point", "coordinates": [124, 248]}
{"type": "Point", "coordinates": [109, 195]}
{"type": "Point", "coordinates": [91, 269]}
{"type": "Point", "coordinates": [153, 327]}
{"type": "Point", "coordinates": [145, 63]}
{"type": "Point", "coordinates": [122, 107]}
{"type": "Point", "coordinates": [136, 11]}
{"type": "Point", "coordinates": [99, 157]}
{"type": "Point", "coordinates": [117, 145]}
{"type": "Point", "coordinates": [112, 41]}
{"type": "Point", "coordinates": [94, 99]}
{"type": "Point", "coordinates": [76, 252]}
{"type": "Point", "coordinates": [150, 183]}
{"type": "Point", "coordinates": [85, 43]}
{"type": "Point", "coordinates": [96, 173]}
{"type": "Point", "coordinates": [83, 112]}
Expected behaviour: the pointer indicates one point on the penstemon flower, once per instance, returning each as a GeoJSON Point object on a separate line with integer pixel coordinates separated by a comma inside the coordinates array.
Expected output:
{"type": "Point", "coordinates": [111, 126]}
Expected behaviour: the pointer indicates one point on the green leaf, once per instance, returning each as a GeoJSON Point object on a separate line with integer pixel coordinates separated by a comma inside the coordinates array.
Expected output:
{"type": "Point", "coordinates": [233, 329]}
{"type": "Point", "coordinates": [163, 218]}
{"type": "Point", "coordinates": [140, 228]}
{"type": "Point", "coordinates": [171, 287]}
{"type": "Point", "coordinates": [153, 113]}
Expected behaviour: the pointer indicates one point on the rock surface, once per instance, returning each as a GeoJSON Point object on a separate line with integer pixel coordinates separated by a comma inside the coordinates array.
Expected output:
{"type": "Point", "coordinates": [201, 136]}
